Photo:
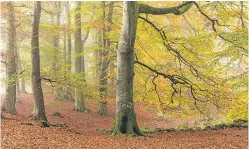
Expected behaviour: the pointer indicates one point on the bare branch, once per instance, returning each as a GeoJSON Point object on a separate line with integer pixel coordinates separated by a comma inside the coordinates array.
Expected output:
{"type": "Point", "coordinates": [170, 48]}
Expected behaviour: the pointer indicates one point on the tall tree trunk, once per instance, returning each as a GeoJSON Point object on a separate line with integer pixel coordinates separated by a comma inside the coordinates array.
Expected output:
{"type": "Point", "coordinates": [98, 53]}
{"type": "Point", "coordinates": [67, 53]}
{"type": "Point", "coordinates": [69, 39]}
{"type": "Point", "coordinates": [11, 62]}
{"type": "Point", "coordinates": [79, 98]}
{"type": "Point", "coordinates": [125, 120]}
{"type": "Point", "coordinates": [18, 69]}
{"type": "Point", "coordinates": [59, 93]}
{"type": "Point", "coordinates": [18, 97]}
{"type": "Point", "coordinates": [105, 60]}
{"type": "Point", "coordinates": [56, 39]}
{"type": "Point", "coordinates": [39, 107]}
{"type": "Point", "coordinates": [22, 81]}
{"type": "Point", "coordinates": [83, 56]}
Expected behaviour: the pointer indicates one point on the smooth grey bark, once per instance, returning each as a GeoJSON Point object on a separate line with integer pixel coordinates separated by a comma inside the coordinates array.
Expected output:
{"type": "Point", "coordinates": [125, 119]}
{"type": "Point", "coordinates": [105, 59]}
{"type": "Point", "coordinates": [10, 62]}
{"type": "Point", "coordinates": [79, 98]}
{"type": "Point", "coordinates": [39, 107]}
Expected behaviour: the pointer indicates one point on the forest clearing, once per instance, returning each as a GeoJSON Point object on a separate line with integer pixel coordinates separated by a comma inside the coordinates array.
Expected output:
{"type": "Point", "coordinates": [124, 75]}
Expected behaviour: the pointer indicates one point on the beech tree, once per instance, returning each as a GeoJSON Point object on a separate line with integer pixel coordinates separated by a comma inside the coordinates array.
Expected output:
{"type": "Point", "coordinates": [79, 98]}
{"type": "Point", "coordinates": [39, 107]}
{"type": "Point", "coordinates": [125, 119]}
{"type": "Point", "coordinates": [68, 52]}
{"type": "Point", "coordinates": [105, 59]}
{"type": "Point", "coordinates": [69, 39]}
{"type": "Point", "coordinates": [10, 97]}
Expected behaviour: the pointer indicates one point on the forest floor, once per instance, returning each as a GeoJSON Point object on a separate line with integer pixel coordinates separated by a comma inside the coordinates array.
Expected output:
{"type": "Point", "coordinates": [21, 132]}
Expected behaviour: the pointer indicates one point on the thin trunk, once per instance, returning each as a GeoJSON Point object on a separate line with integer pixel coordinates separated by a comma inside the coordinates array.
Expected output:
{"type": "Point", "coordinates": [59, 93]}
{"type": "Point", "coordinates": [69, 40]}
{"type": "Point", "coordinates": [66, 92]}
{"type": "Point", "coordinates": [108, 42]}
{"type": "Point", "coordinates": [98, 53]}
{"type": "Point", "coordinates": [65, 48]}
{"type": "Point", "coordinates": [11, 62]}
{"type": "Point", "coordinates": [67, 54]}
{"type": "Point", "coordinates": [79, 98]}
{"type": "Point", "coordinates": [56, 39]}
{"type": "Point", "coordinates": [18, 69]}
{"type": "Point", "coordinates": [55, 45]}
{"type": "Point", "coordinates": [125, 119]}
{"type": "Point", "coordinates": [82, 51]}
{"type": "Point", "coordinates": [22, 81]}
{"type": "Point", "coordinates": [105, 59]}
{"type": "Point", "coordinates": [18, 97]}
{"type": "Point", "coordinates": [241, 15]}
{"type": "Point", "coordinates": [39, 107]}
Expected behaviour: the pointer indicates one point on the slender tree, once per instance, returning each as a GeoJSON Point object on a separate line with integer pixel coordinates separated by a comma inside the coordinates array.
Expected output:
{"type": "Point", "coordinates": [67, 53]}
{"type": "Point", "coordinates": [10, 61]}
{"type": "Point", "coordinates": [125, 120]}
{"type": "Point", "coordinates": [56, 40]}
{"type": "Point", "coordinates": [83, 49]}
{"type": "Point", "coordinates": [39, 107]}
{"type": "Point", "coordinates": [79, 98]}
{"type": "Point", "coordinates": [105, 59]}
{"type": "Point", "coordinates": [22, 81]}
{"type": "Point", "coordinates": [18, 100]}
{"type": "Point", "coordinates": [59, 93]}
{"type": "Point", "coordinates": [69, 39]}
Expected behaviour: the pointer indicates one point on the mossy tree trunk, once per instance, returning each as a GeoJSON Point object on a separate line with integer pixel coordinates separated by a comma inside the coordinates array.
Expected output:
{"type": "Point", "coordinates": [125, 120]}
{"type": "Point", "coordinates": [10, 97]}
{"type": "Point", "coordinates": [39, 107]}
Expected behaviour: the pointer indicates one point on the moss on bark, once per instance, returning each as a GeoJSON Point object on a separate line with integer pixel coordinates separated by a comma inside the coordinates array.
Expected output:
{"type": "Point", "coordinates": [125, 123]}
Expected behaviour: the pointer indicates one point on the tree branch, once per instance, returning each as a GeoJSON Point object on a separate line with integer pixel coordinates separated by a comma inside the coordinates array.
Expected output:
{"type": "Point", "coordinates": [214, 22]}
{"type": "Point", "coordinates": [48, 80]}
{"type": "Point", "coordinates": [177, 10]}
{"type": "Point", "coordinates": [175, 79]}
{"type": "Point", "coordinates": [170, 48]}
